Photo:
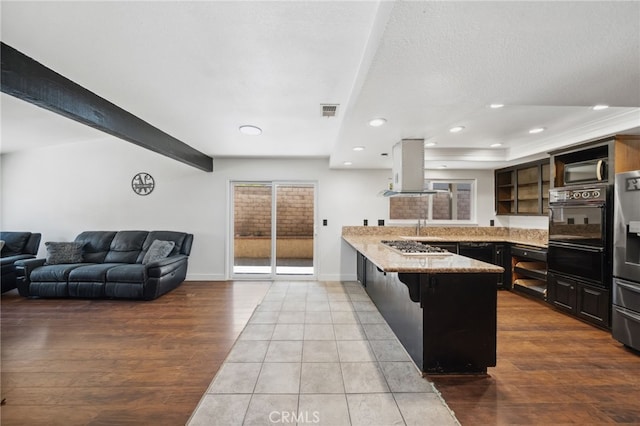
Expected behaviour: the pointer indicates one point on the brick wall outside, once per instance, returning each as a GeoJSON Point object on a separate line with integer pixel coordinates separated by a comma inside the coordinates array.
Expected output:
{"type": "Point", "coordinates": [252, 206]}
{"type": "Point", "coordinates": [441, 207]}
{"type": "Point", "coordinates": [464, 204]}
{"type": "Point", "coordinates": [412, 208]}
{"type": "Point", "coordinates": [408, 207]}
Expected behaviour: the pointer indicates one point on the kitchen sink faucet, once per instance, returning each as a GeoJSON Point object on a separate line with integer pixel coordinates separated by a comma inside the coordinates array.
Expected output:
{"type": "Point", "coordinates": [418, 226]}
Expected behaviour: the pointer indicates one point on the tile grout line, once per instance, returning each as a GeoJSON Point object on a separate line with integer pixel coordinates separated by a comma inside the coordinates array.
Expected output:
{"type": "Point", "coordinates": [360, 326]}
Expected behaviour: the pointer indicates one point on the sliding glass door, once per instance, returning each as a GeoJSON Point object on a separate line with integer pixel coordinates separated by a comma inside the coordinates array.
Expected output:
{"type": "Point", "coordinates": [273, 229]}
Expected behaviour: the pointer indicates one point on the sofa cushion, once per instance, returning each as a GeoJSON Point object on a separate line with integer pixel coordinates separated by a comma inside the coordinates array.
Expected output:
{"type": "Point", "coordinates": [48, 273]}
{"type": "Point", "coordinates": [133, 273]}
{"type": "Point", "coordinates": [65, 252]}
{"type": "Point", "coordinates": [91, 273]}
{"type": "Point", "coordinates": [88, 290]}
{"type": "Point", "coordinates": [124, 290]}
{"type": "Point", "coordinates": [97, 245]}
{"type": "Point", "coordinates": [14, 242]}
{"type": "Point", "coordinates": [126, 247]}
{"type": "Point", "coordinates": [49, 289]}
{"type": "Point", "coordinates": [158, 250]}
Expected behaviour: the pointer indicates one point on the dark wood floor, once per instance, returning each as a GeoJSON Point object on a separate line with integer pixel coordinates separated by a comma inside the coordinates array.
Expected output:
{"type": "Point", "coordinates": [102, 362]}
{"type": "Point", "coordinates": [77, 362]}
{"type": "Point", "coordinates": [552, 369]}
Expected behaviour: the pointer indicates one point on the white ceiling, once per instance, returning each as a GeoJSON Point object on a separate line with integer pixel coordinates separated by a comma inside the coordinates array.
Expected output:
{"type": "Point", "coordinates": [199, 70]}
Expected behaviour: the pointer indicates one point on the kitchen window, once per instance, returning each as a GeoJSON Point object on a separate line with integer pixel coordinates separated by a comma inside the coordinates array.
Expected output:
{"type": "Point", "coordinates": [457, 205]}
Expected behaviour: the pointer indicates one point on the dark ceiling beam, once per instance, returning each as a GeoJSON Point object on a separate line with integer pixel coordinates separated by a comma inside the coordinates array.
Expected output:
{"type": "Point", "coordinates": [31, 81]}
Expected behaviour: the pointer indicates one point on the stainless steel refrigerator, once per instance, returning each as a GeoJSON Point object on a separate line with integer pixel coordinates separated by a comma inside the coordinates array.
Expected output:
{"type": "Point", "coordinates": [625, 315]}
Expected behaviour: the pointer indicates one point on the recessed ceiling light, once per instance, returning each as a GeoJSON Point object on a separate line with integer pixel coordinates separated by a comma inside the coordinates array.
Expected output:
{"type": "Point", "coordinates": [442, 167]}
{"type": "Point", "coordinates": [250, 130]}
{"type": "Point", "coordinates": [496, 106]}
{"type": "Point", "coordinates": [347, 163]}
{"type": "Point", "coordinates": [600, 107]}
{"type": "Point", "coordinates": [430, 144]}
{"type": "Point", "coordinates": [495, 145]}
{"type": "Point", "coordinates": [536, 130]}
{"type": "Point", "coordinates": [456, 129]}
{"type": "Point", "coordinates": [358, 148]}
{"type": "Point", "coordinates": [377, 122]}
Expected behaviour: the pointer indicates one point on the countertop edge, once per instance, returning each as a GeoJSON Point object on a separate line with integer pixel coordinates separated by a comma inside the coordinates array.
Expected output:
{"type": "Point", "coordinates": [389, 261]}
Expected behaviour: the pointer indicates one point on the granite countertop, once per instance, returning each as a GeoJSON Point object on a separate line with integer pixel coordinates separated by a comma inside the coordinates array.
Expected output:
{"type": "Point", "coordinates": [390, 261]}
{"type": "Point", "coordinates": [476, 238]}
{"type": "Point", "coordinates": [460, 234]}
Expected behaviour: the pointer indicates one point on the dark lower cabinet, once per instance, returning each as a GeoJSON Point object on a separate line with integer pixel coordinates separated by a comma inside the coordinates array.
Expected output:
{"type": "Point", "coordinates": [579, 298]}
{"type": "Point", "coordinates": [503, 258]}
{"type": "Point", "coordinates": [562, 292]}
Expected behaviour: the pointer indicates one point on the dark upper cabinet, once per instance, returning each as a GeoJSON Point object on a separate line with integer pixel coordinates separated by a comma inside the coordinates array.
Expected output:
{"type": "Point", "coordinates": [523, 189]}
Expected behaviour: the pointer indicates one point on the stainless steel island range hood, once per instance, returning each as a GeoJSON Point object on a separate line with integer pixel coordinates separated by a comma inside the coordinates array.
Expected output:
{"type": "Point", "coordinates": [408, 170]}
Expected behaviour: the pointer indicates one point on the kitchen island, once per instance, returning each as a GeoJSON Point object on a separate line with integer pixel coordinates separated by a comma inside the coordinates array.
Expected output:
{"type": "Point", "coordinates": [442, 307]}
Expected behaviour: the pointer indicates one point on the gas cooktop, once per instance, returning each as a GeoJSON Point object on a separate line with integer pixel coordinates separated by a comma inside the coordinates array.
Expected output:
{"type": "Point", "coordinates": [413, 248]}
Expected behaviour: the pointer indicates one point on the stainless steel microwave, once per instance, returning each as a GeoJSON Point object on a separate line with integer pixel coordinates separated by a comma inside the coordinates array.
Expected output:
{"type": "Point", "coordinates": [585, 172]}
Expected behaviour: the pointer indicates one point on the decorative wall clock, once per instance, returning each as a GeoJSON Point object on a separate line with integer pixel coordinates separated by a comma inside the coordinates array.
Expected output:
{"type": "Point", "coordinates": [143, 183]}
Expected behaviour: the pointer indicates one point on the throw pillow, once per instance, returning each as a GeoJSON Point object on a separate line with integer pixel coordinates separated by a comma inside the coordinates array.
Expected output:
{"type": "Point", "coordinates": [58, 253]}
{"type": "Point", "coordinates": [158, 250]}
{"type": "Point", "coordinates": [1, 244]}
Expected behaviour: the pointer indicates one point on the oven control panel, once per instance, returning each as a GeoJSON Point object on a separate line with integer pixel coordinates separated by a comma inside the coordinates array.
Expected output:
{"type": "Point", "coordinates": [563, 195]}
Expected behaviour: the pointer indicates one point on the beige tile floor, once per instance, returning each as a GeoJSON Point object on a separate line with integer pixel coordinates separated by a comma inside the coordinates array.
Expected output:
{"type": "Point", "coordinates": [319, 353]}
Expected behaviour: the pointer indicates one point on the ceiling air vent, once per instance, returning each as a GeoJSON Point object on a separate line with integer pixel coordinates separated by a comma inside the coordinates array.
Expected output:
{"type": "Point", "coordinates": [329, 110]}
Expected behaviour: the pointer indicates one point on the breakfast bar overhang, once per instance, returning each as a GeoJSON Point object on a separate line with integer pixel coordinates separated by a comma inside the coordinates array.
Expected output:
{"type": "Point", "coordinates": [442, 307]}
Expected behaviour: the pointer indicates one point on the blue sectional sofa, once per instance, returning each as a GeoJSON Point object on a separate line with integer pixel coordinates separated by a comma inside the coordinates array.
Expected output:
{"type": "Point", "coordinates": [109, 264]}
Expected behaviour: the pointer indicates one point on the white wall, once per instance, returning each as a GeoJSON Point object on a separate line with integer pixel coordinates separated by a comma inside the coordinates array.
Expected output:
{"type": "Point", "coordinates": [64, 190]}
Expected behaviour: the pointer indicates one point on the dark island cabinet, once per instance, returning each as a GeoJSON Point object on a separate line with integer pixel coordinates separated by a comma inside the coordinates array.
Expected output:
{"type": "Point", "coordinates": [446, 321]}
{"type": "Point", "coordinates": [459, 323]}
{"type": "Point", "coordinates": [361, 268]}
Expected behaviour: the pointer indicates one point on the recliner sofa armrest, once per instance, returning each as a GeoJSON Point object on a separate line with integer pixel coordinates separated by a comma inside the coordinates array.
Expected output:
{"type": "Point", "coordinates": [161, 267]}
{"type": "Point", "coordinates": [23, 272]}
{"type": "Point", "coordinates": [12, 259]}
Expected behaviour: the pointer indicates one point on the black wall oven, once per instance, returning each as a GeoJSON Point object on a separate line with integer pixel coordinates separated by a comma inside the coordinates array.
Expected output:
{"type": "Point", "coordinates": [584, 263]}
{"type": "Point", "coordinates": [580, 232]}
{"type": "Point", "coordinates": [580, 245]}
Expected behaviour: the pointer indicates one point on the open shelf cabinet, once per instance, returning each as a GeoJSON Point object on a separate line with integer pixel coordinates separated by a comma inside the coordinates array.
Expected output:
{"type": "Point", "coordinates": [523, 189]}
{"type": "Point", "coordinates": [529, 271]}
